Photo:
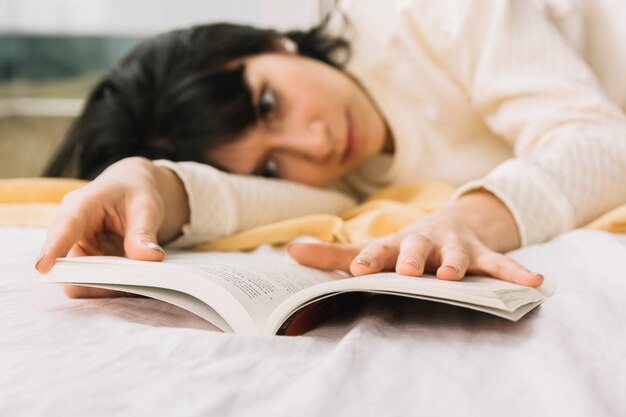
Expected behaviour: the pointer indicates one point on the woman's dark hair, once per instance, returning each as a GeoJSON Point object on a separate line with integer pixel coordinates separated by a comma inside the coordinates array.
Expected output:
{"type": "Point", "coordinates": [175, 95]}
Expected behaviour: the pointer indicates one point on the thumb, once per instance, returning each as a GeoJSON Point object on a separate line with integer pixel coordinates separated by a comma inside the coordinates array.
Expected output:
{"type": "Point", "coordinates": [326, 256]}
{"type": "Point", "coordinates": [140, 240]}
{"type": "Point", "coordinates": [142, 245]}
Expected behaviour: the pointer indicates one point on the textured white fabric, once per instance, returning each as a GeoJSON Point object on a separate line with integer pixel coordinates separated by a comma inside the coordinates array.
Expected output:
{"type": "Point", "coordinates": [552, 111]}
{"type": "Point", "coordinates": [596, 30]}
{"type": "Point", "coordinates": [549, 195]}
{"type": "Point", "coordinates": [480, 93]}
{"type": "Point", "coordinates": [222, 204]}
{"type": "Point", "coordinates": [472, 86]}
{"type": "Point", "coordinates": [141, 357]}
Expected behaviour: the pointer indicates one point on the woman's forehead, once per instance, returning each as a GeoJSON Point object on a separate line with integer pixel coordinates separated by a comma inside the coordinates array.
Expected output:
{"type": "Point", "coordinates": [272, 63]}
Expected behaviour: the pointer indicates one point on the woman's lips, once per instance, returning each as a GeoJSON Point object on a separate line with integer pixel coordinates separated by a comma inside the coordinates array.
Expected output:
{"type": "Point", "coordinates": [351, 140]}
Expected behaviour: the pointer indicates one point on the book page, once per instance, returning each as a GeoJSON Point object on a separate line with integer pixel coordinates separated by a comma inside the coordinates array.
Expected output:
{"type": "Point", "coordinates": [259, 281]}
{"type": "Point", "coordinates": [485, 294]}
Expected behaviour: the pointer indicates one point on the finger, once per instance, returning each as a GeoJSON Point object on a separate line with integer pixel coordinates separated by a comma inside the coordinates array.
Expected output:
{"type": "Point", "coordinates": [454, 262]}
{"type": "Point", "coordinates": [505, 268]}
{"type": "Point", "coordinates": [325, 256]}
{"type": "Point", "coordinates": [379, 255]}
{"type": "Point", "coordinates": [107, 243]}
{"type": "Point", "coordinates": [77, 250]}
{"type": "Point", "coordinates": [414, 251]}
{"type": "Point", "coordinates": [143, 219]}
{"type": "Point", "coordinates": [62, 233]}
{"type": "Point", "coordinates": [78, 291]}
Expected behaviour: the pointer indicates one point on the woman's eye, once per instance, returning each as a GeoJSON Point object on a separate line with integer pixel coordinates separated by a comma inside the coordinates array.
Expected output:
{"type": "Point", "coordinates": [269, 169]}
{"type": "Point", "coordinates": [267, 101]}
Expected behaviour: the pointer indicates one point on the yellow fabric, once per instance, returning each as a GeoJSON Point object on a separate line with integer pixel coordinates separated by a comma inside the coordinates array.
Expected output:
{"type": "Point", "coordinates": [34, 202]}
{"type": "Point", "coordinates": [36, 190]}
{"type": "Point", "coordinates": [382, 213]}
{"type": "Point", "coordinates": [326, 227]}
{"type": "Point", "coordinates": [613, 221]}
{"type": "Point", "coordinates": [31, 214]}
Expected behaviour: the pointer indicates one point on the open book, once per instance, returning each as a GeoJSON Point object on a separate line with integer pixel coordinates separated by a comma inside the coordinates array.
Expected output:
{"type": "Point", "coordinates": [266, 292]}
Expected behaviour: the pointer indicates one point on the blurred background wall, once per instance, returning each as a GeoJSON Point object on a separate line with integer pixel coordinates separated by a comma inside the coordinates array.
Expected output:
{"type": "Point", "coordinates": [53, 51]}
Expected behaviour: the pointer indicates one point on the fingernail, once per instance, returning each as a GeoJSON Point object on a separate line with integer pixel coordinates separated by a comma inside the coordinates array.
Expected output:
{"type": "Point", "coordinates": [41, 255]}
{"type": "Point", "coordinates": [456, 267]}
{"type": "Point", "coordinates": [362, 261]}
{"type": "Point", "coordinates": [411, 261]}
{"type": "Point", "coordinates": [154, 246]}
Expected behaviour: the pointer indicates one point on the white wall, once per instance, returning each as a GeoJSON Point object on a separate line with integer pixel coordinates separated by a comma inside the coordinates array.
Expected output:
{"type": "Point", "coordinates": [145, 17]}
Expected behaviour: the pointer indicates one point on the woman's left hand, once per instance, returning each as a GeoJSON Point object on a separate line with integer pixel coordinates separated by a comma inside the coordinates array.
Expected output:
{"type": "Point", "coordinates": [464, 237]}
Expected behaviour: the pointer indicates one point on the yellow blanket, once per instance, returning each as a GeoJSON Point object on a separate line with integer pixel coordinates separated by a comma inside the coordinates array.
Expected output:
{"type": "Point", "coordinates": [35, 201]}
{"type": "Point", "coordinates": [32, 201]}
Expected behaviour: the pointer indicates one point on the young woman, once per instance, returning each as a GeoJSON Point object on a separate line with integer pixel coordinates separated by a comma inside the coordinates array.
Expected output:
{"type": "Point", "coordinates": [488, 95]}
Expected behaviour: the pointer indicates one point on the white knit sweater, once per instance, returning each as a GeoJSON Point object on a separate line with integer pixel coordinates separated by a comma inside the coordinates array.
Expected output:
{"type": "Point", "coordinates": [478, 93]}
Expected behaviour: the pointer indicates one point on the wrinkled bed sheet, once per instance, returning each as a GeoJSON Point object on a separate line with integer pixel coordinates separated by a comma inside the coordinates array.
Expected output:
{"type": "Point", "coordinates": [141, 357]}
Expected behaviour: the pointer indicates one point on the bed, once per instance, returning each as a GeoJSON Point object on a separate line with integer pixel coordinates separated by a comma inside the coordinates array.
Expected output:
{"type": "Point", "coordinates": [142, 357]}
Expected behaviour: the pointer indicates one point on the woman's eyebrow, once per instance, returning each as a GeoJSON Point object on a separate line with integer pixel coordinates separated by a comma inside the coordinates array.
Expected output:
{"type": "Point", "coordinates": [255, 95]}
{"type": "Point", "coordinates": [255, 87]}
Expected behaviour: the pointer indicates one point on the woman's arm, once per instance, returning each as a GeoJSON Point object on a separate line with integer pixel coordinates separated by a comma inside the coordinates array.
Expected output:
{"type": "Point", "coordinates": [131, 206]}
{"type": "Point", "coordinates": [535, 92]}
{"type": "Point", "coordinates": [166, 201]}
{"type": "Point", "coordinates": [135, 204]}
{"type": "Point", "coordinates": [222, 204]}
{"type": "Point", "coordinates": [128, 209]}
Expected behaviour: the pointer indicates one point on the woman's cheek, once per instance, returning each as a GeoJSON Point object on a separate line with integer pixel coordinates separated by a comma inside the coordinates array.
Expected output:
{"type": "Point", "coordinates": [316, 176]}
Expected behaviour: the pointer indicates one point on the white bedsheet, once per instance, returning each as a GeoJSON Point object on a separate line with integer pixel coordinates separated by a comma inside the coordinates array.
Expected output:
{"type": "Point", "coordinates": [140, 357]}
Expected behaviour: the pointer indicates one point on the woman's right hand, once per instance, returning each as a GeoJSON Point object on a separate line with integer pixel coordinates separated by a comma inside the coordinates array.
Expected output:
{"type": "Point", "coordinates": [127, 210]}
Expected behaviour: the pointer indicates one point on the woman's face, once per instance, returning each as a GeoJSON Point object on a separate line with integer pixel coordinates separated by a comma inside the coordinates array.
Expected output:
{"type": "Point", "coordinates": [317, 123]}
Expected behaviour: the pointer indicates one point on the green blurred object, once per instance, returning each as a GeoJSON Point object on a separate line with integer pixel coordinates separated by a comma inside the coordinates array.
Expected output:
{"type": "Point", "coordinates": [41, 76]}
{"type": "Point", "coordinates": [42, 57]}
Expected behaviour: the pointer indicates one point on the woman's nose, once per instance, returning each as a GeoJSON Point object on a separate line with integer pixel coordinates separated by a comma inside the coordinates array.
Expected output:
{"type": "Point", "coordinates": [312, 141]}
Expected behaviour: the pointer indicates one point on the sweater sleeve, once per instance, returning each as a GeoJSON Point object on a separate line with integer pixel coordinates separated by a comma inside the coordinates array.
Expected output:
{"type": "Point", "coordinates": [221, 204]}
{"type": "Point", "coordinates": [534, 91]}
